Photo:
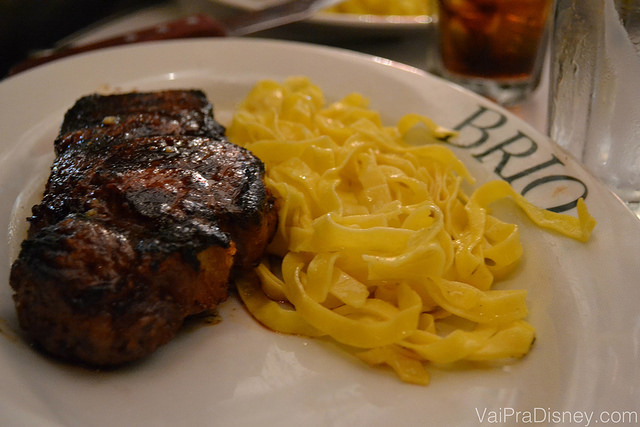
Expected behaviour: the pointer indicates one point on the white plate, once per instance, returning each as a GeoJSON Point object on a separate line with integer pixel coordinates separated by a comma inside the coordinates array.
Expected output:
{"type": "Point", "coordinates": [387, 23]}
{"type": "Point", "coordinates": [583, 298]}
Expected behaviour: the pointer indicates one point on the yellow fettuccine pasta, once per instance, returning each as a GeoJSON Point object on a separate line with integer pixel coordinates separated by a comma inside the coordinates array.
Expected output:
{"type": "Point", "coordinates": [377, 246]}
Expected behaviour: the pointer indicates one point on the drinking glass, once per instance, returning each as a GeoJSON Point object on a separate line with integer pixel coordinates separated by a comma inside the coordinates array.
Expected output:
{"type": "Point", "coordinates": [594, 109]}
{"type": "Point", "coordinates": [493, 47]}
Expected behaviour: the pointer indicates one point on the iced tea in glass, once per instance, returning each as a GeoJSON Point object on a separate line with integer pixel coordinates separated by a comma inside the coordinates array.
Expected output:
{"type": "Point", "coordinates": [495, 47]}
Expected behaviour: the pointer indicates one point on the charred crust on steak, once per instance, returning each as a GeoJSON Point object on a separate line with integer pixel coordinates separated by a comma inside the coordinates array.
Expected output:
{"type": "Point", "coordinates": [156, 113]}
{"type": "Point", "coordinates": [147, 212]}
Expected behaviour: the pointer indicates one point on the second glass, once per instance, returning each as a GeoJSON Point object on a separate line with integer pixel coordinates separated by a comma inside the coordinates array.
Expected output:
{"type": "Point", "coordinates": [594, 109]}
{"type": "Point", "coordinates": [493, 47]}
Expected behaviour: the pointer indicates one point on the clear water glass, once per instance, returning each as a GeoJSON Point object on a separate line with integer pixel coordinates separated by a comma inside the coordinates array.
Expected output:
{"type": "Point", "coordinates": [595, 89]}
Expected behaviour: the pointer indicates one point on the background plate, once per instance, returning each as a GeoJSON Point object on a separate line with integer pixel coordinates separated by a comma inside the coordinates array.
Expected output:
{"type": "Point", "coordinates": [582, 297]}
{"type": "Point", "coordinates": [348, 25]}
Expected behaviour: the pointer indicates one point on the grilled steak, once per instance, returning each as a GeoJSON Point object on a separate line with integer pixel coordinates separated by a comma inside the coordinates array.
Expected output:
{"type": "Point", "coordinates": [146, 214]}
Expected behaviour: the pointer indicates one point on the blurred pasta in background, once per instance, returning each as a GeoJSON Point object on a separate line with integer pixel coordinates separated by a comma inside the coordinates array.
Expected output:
{"type": "Point", "coordinates": [385, 7]}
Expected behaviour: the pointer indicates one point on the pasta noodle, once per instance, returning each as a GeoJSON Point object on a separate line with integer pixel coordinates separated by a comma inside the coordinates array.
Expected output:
{"type": "Point", "coordinates": [384, 7]}
{"type": "Point", "coordinates": [377, 246]}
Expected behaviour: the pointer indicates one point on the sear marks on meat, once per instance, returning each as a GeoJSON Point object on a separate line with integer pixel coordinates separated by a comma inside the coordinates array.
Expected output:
{"type": "Point", "coordinates": [146, 214]}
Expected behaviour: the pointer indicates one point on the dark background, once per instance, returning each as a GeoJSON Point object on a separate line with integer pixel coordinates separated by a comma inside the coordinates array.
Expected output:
{"type": "Point", "coordinates": [29, 25]}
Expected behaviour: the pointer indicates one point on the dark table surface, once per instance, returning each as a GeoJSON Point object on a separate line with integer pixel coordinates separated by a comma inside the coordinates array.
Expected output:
{"type": "Point", "coordinates": [30, 25]}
